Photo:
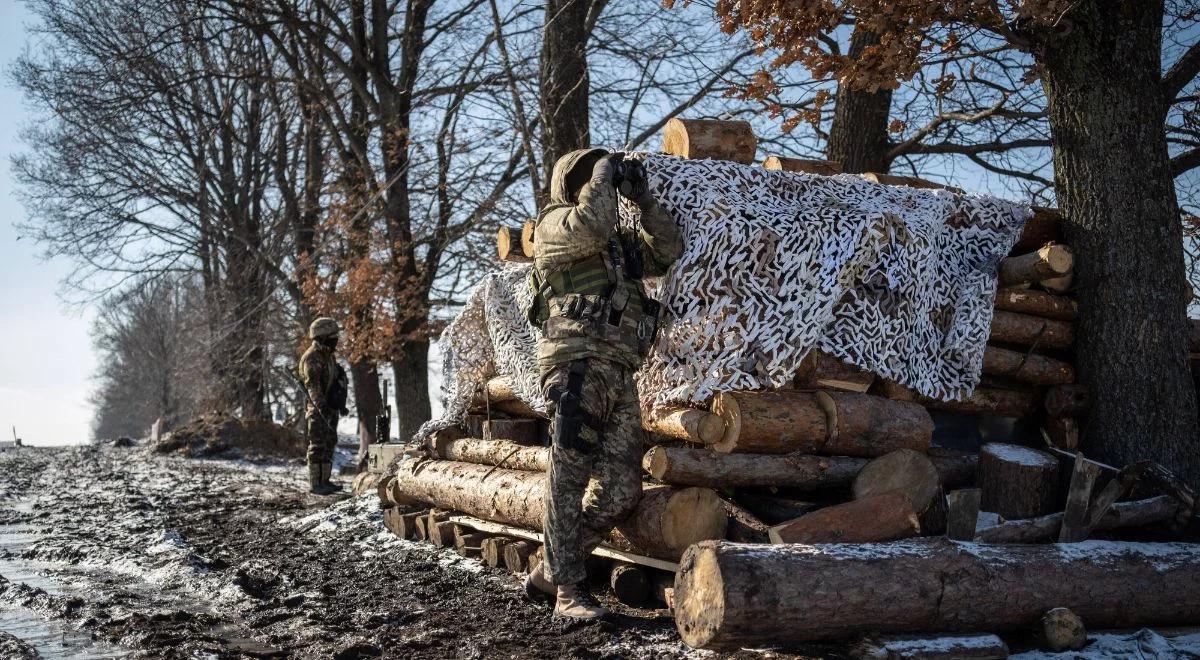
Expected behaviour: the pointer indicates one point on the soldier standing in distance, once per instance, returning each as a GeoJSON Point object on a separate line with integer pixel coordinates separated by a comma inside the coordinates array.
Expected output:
{"type": "Point", "coordinates": [325, 383]}
{"type": "Point", "coordinates": [597, 325]}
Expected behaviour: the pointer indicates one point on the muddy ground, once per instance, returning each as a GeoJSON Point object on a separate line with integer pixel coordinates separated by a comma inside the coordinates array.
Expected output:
{"type": "Point", "coordinates": [107, 551]}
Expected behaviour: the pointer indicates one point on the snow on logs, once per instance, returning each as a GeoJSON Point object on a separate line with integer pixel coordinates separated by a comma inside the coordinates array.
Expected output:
{"type": "Point", "coordinates": [714, 139]}
{"type": "Point", "coordinates": [666, 521]}
{"type": "Point", "coordinates": [840, 423]}
{"type": "Point", "coordinates": [730, 595]}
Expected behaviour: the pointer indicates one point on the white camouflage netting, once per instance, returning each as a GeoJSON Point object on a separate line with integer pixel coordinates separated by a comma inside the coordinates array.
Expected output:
{"type": "Point", "coordinates": [896, 280]}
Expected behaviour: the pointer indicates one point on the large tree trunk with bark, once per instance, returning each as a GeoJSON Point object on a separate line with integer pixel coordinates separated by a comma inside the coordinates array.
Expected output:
{"type": "Point", "coordinates": [734, 595]}
{"type": "Point", "coordinates": [1114, 184]}
{"type": "Point", "coordinates": [564, 83]}
{"type": "Point", "coordinates": [858, 137]}
{"type": "Point", "coordinates": [411, 375]}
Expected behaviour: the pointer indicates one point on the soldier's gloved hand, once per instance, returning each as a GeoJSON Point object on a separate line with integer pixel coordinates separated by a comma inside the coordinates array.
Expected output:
{"type": "Point", "coordinates": [602, 172]}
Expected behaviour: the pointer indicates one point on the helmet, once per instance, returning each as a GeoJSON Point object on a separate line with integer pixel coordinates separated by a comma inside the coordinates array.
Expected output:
{"type": "Point", "coordinates": [323, 327]}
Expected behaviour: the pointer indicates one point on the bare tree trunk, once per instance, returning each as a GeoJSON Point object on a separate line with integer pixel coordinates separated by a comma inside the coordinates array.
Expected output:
{"type": "Point", "coordinates": [411, 374]}
{"type": "Point", "coordinates": [1115, 187]}
{"type": "Point", "coordinates": [367, 401]}
{"type": "Point", "coordinates": [564, 82]}
{"type": "Point", "coordinates": [858, 137]}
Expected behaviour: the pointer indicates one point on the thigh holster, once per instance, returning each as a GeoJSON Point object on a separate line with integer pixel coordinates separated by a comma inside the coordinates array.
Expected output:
{"type": "Point", "coordinates": [569, 415]}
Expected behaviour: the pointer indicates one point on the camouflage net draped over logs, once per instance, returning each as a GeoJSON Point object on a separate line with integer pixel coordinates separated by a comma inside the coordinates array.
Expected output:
{"type": "Point", "coordinates": [896, 280]}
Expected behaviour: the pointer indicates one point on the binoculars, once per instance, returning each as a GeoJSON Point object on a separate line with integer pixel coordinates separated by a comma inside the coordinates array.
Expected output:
{"type": "Point", "coordinates": [629, 176]}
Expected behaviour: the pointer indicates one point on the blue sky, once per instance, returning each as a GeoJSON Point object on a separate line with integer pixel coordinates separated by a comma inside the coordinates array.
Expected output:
{"type": "Point", "coordinates": [45, 350]}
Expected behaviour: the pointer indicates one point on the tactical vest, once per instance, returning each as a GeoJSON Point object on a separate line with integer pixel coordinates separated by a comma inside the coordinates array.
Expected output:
{"type": "Point", "coordinates": [596, 305]}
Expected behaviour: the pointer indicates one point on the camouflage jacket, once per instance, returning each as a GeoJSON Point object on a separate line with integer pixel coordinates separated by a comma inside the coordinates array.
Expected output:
{"type": "Point", "coordinates": [569, 233]}
{"type": "Point", "coordinates": [318, 369]}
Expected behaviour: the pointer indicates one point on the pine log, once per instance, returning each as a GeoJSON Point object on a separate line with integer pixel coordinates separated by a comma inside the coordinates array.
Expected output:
{"type": "Point", "coordinates": [884, 517]}
{"type": "Point", "coordinates": [745, 527]}
{"type": "Point", "coordinates": [910, 181]}
{"type": "Point", "coordinates": [1016, 481]}
{"type": "Point", "coordinates": [682, 423]}
{"type": "Point", "coordinates": [840, 423]}
{"type": "Point", "coordinates": [964, 514]}
{"type": "Point", "coordinates": [1063, 432]}
{"type": "Point", "coordinates": [630, 584]}
{"type": "Point", "coordinates": [820, 370]}
{"type": "Point", "coordinates": [1047, 262]}
{"type": "Point", "coordinates": [1026, 330]}
{"type": "Point", "coordinates": [701, 467]}
{"type": "Point", "coordinates": [408, 524]}
{"type": "Point", "coordinates": [710, 138]}
{"type": "Point", "coordinates": [955, 468]}
{"type": "Point", "coordinates": [442, 534]}
{"type": "Point", "coordinates": [1058, 285]}
{"type": "Point", "coordinates": [391, 521]}
{"type": "Point", "coordinates": [527, 233]}
{"type": "Point", "coordinates": [730, 596]}
{"type": "Point", "coordinates": [469, 545]}
{"type": "Point", "coordinates": [516, 555]}
{"type": "Point", "coordinates": [364, 482]}
{"type": "Point", "coordinates": [1138, 513]}
{"type": "Point", "coordinates": [821, 167]}
{"type": "Point", "coordinates": [508, 246]}
{"type": "Point", "coordinates": [1044, 227]}
{"type": "Point", "coordinates": [1037, 303]}
{"type": "Point", "coordinates": [500, 453]}
{"type": "Point", "coordinates": [499, 395]}
{"type": "Point", "coordinates": [890, 389]}
{"type": "Point", "coordinates": [772, 509]}
{"type": "Point", "coordinates": [904, 470]}
{"type": "Point", "coordinates": [930, 647]}
{"type": "Point", "coordinates": [666, 521]}
{"type": "Point", "coordinates": [988, 401]}
{"type": "Point", "coordinates": [381, 489]}
{"type": "Point", "coordinates": [1027, 367]}
{"type": "Point", "coordinates": [422, 525]}
{"type": "Point", "coordinates": [492, 549]}
{"type": "Point", "coordinates": [1066, 401]}
{"type": "Point", "coordinates": [523, 431]}
{"type": "Point", "coordinates": [865, 425]}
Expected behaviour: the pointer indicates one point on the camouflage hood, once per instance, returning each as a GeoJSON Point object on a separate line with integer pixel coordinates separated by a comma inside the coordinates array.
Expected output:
{"type": "Point", "coordinates": [560, 191]}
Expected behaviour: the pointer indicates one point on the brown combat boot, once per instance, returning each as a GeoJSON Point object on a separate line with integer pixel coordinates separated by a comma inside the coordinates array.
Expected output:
{"type": "Point", "coordinates": [537, 587]}
{"type": "Point", "coordinates": [326, 471]}
{"type": "Point", "coordinates": [576, 602]}
{"type": "Point", "coordinates": [316, 485]}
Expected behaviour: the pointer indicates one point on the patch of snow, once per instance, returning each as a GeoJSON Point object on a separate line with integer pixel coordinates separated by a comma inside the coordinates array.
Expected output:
{"type": "Point", "coordinates": [1019, 455]}
{"type": "Point", "coordinates": [1144, 644]}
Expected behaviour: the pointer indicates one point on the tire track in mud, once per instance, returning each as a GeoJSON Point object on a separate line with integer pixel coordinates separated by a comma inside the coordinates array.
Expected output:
{"type": "Point", "coordinates": [168, 557]}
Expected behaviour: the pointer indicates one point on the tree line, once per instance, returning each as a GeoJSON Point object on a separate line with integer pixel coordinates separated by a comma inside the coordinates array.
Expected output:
{"type": "Point", "coordinates": [262, 162]}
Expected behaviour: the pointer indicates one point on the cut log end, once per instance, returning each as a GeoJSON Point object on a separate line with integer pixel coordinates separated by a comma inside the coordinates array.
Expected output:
{"type": "Point", "coordinates": [699, 596]}
{"type": "Point", "coordinates": [710, 138]}
{"type": "Point", "coordinates": [693, 515]}
{"type": "Point", "coordinates": [904, 470]}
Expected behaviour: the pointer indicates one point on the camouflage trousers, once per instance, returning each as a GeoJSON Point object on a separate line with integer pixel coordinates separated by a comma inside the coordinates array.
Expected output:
{"type": "Point", "coordinates": [322, 436]}
{"type": "Point", "coordinates": [590, 491]}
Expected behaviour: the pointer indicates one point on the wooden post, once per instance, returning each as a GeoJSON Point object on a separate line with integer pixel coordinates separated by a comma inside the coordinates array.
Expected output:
{"type": "Point", "coordinates": [1017, 482]}
{"type": "Point", "coordinates": [1075, 516]}
{"type": "Point", "coordinates": [408, 524]}
{"type": "Point", "coordinates": [716, 139]}
{"type": "Point", "coordinates": [492, 549]}
{"type": "Point", "coordinates": [964, 514]}
{"type": "Point", "coordinates": [442, 534]}
{"type": "Point", "coordinates": [469, 545]}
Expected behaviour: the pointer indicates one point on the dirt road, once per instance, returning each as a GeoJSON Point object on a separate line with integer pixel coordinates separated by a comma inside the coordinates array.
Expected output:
{"type": "Point", "coordinates": [110, 551]}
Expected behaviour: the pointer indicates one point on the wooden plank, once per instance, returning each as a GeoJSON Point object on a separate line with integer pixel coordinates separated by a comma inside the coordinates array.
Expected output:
{"type": "Point", "coordinates": [1075, 516]}
{"type": "Point", "coordinates": [602, 551]}
{"type": "Point", "coordinates": [964, 514]}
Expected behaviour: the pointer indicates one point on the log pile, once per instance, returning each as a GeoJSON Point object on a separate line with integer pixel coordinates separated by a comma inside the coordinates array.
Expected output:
{"type": "Point", "coordinates": [737, 491]}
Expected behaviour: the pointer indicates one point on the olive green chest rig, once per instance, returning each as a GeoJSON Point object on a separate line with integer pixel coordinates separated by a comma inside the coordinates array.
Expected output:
{"type": "Point", "coordinates": [597, 301]}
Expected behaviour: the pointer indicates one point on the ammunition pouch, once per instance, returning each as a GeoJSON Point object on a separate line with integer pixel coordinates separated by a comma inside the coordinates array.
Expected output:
{"type": "Point", "coordinates": [569, 415]}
